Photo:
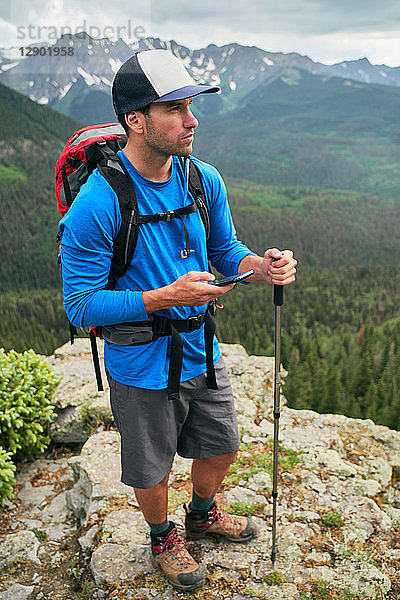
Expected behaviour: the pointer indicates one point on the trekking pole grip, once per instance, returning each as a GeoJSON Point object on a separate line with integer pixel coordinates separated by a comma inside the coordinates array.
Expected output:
{"type": "Point", "coordinates": [278, 292]}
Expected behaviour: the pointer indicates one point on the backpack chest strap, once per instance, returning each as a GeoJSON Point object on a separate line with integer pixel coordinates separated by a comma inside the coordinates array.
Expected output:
{"type": "Point", "coordinates": [168, 215]}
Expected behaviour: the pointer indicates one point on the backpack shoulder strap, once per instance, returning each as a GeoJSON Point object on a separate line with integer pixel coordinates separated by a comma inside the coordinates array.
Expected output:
{"type": "Point", "coordinates": [196, 188]}
{"type": "Point", "coordinates": [115, 173]}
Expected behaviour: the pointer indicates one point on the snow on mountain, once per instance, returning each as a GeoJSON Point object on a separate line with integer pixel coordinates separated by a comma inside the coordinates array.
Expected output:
{"type": "Point", "coordinates": [91, 63]}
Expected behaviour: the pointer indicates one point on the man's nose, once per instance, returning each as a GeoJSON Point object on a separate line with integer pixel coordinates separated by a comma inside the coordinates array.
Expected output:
{"type": "Point", "coordinates": [190, 121]}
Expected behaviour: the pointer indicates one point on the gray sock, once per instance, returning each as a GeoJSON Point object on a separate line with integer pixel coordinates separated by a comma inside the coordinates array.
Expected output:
{"type": "Point", "coordinates": [158, 528]}
{"type": "Point", "coordinates": [198, 503]}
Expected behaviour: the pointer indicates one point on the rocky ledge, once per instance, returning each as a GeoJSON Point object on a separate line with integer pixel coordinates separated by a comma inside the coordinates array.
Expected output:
{"type": "Point", "coordinates": [338, 505]}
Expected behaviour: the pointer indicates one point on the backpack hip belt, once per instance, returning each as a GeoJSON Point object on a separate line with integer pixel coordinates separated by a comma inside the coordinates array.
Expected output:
{"type": "Point", "coordinates": [144, 332]}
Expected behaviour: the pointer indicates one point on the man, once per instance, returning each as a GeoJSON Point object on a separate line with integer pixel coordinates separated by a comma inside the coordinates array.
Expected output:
{"type": "Point", "coordinates": [169, 277]}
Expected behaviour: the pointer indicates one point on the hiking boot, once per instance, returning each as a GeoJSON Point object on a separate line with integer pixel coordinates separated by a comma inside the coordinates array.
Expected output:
{"type": "Point", "coordinates": [216, 522]}
{"type": "Point", "coordinates": [169, 554]}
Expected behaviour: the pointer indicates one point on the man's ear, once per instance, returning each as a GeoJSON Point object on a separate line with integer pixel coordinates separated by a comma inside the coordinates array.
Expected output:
{"type": "Point", "coordinates": [134, 122]}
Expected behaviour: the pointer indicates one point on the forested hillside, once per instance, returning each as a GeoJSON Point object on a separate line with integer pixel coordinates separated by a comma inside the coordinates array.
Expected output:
{"type": "Point", "coordinates": [328, 228]}
{"type": "Point", "coordinates": [304, 129]}
{"type": "Point", "coordinates": [32, 137]}
{"type": "Point", "coordinates": [340, 341]}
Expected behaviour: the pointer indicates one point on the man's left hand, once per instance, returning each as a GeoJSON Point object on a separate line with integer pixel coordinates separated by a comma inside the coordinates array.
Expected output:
{"type": "Point", "coordinates": [281, 271]}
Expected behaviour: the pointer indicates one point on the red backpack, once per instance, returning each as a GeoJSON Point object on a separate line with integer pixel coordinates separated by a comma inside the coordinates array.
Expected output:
{"type": "Point", "coordinates": [81, 154]}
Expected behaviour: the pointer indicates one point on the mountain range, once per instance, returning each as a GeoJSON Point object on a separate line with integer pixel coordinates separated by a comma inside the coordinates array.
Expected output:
{"type": "Point", "coordinates": [78, 84]}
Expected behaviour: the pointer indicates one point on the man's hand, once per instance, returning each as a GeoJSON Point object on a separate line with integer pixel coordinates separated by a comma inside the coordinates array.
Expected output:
{"type": "Point", "coordinates": [191, 289]}
{"type": "Point", "coordinates": [279, 272]}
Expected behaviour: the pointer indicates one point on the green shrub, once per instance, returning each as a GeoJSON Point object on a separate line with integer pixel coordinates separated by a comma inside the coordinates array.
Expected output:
{"type": "Point", "coordinates": [275, 578]}
{"type": "Point", "coordinates": [7, 470]}
{"type": "Point", "coordinates": [332, 519]}
{"type": "Point", "coordinates": [246, 509]}
{"type": "Point", "coordinates": [27, 384]}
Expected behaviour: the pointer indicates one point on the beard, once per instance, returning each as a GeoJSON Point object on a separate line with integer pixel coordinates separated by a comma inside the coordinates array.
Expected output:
{"type": "Point", "coordinates": [157, 141]}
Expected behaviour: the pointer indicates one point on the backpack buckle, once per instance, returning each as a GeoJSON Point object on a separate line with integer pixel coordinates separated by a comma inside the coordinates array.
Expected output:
{"type": "Point", "coordinates": [168, 215]}
{"type": "Point", "coordinates": [193, 323]}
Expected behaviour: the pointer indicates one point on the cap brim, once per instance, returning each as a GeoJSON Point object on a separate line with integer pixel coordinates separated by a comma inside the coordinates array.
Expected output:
{"type": "Point", "coordinates": [188, 91]}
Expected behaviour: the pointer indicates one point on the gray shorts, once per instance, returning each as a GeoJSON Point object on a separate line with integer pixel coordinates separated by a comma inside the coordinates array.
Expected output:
{"type": "Point", "coordinates": [201, 424]}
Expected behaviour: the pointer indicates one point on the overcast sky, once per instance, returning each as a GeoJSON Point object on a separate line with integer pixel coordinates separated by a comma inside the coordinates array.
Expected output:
{"type": "Point", "coordinates": [326, 30]}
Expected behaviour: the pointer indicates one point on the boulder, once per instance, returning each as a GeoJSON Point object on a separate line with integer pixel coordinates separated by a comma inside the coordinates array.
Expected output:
{"type": "Point", "coordinates": [19, 546]}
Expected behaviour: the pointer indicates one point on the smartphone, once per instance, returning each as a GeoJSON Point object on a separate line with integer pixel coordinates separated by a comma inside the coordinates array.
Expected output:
{"type": "Point", "coordinates": [232, 278]}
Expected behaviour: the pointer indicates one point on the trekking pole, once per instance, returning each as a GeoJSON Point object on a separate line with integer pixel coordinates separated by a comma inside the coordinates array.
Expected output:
{"type": "Point", "coordinates": [278, 301]}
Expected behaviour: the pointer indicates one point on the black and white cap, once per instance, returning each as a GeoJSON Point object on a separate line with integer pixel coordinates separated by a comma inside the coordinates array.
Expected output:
{"type": "Point", "coordinates": [153, 76]}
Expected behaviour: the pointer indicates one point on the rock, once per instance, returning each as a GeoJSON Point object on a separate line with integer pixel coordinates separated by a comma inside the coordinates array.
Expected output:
{"type": "Point", "coordinates": [229, 556]}
{"type": "Point", "coordinates": [17, 592]}
{"type": "Point", "coordinates": [252, 384]}
{"type": "Point", "coordinates": [267, 427]}
{"type": "Point", "coordinates": [57, 511]}
{"type": "Point", "coordinates": [79, 498]}
{"type": "Point", "coordinates": [78, 402]}
{"type": "Point", "coordinates": [260, 482]}
{"type": "Point", "coordinates": [313, 482]}
{"type": "Point", "coordinates": [98, 470]}
{"type": "Point", "coordinates": [331, 460]}
{"type": "Point", "coordinates": [86, 541]}
{"type": "Point", "coordinates": [356, 577]}
{"type": "Point", "coordinates": [241, 494]}
{"type": "Point", "coordinates": [181, 468]}
{"type": "Point", "coordinates": [309, 516]}
{"type": "Point", "coordinates": [319, 558]}
{"type": "Point", "coordinates": [113, 562]}
{"type": "Point", "coordinates": [72, 424]}
{"type": "Point", "coordinates": [126, 527]}
{"type": "Point", "coordinates": [356, 509]}
{"type": "Point", "coordinates": [334, 474]}
{"type": "Point", "coordinates": [285, 591]}
{"type": "Point", "coordinates": [288, 551]}
{"type": "Point", "coordinates": [378, 469]}
{"type": "Point", "coordinates": [392, 497]}
{"type": "Point", "coordinates": [18, 546]}
{"type": "Point", "coordinates": [363, 487]}
{"type": "Point", "coordinates": [34, 495]}
{"type": "Point", "coordinates": [358, 530]}
{"type": "Point", "coordinates": [301, 531]}
{"type": "Point", "coordinates": [31, 523]}
{"type": "Point", "coordinates": [393, 513]}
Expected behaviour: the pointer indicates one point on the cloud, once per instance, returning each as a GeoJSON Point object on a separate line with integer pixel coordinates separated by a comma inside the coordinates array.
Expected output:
{"type": "Point", "coordinates": [326, 30]}
{"type": "Point", "coordinates": [297, 16]}
{"type": "Point", "coordinates": [72, 13]}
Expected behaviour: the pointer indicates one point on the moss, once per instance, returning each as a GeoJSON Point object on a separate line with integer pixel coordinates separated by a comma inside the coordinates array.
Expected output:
{"type": "Point", "coordinates": [322, 590]}
{"type": "Point", "coordinates": [257, 458]}
{"type": "Point", "coordinates": [275, 578]}
{"type": "Point", "coordinates": [40, 534]}
{"type": "Point", "coordinates": [332, 519]}
{"type": "Point", "coordinates": [355, 555]}
{"type": "Point", "coordinates": [246, 509]}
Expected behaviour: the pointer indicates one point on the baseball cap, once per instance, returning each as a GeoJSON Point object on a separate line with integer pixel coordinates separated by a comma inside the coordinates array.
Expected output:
{"type": "Point", "coordinates": [153, 76]}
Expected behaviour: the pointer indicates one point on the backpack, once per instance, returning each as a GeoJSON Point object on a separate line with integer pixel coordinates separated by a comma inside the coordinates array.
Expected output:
{"type": "Point", "coordinates": [96, 146]}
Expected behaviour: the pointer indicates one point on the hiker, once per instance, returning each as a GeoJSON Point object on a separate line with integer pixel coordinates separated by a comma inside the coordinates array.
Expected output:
{"type": "Point", "coordinates": [172, 394]}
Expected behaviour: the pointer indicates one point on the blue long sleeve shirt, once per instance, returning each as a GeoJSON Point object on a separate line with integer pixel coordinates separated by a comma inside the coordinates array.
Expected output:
{"type": "Point", "coordinates": [88, 230]}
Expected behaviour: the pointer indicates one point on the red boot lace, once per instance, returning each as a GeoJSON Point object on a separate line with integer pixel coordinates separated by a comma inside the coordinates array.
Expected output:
{"type": "Point", "coordinates": [175, 547]}
{"type": "Point", "coordinates": [224, 519]}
